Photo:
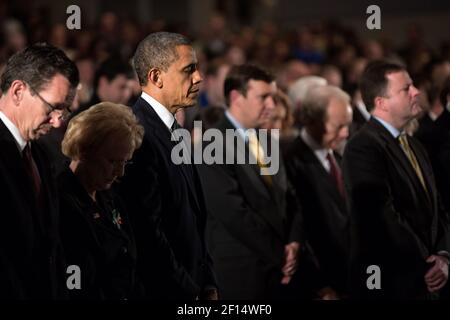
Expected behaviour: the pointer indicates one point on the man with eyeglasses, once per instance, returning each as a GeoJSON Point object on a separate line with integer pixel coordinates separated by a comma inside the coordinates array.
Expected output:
{"type": "Point", "coordinates": [37, 85]}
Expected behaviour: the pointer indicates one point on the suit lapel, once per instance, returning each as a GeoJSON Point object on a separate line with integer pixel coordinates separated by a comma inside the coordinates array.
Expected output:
{"type": "Point", "coordinates": [252, 171]}
{"type": "Point", "coordinates": [155, 126]}
{"type": "Point", "coordinates": [396, 151]}
{"type": "Point", "coordinates": [427, 171]}
{"type": "Point", "coordinates": [431, 195]}
{"type": "Point", "coordinates": [317, 171]}
{"type": "Point", "coordinates": [14, 164]}
{"type": "Point", "coordinates": [47, 185]}
{"type": "Point", "coordinates": [402, 163]}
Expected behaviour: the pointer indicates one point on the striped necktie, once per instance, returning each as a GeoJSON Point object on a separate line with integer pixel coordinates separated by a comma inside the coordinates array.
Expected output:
{"type": "Point", "coordinates": [258, 152]}
{"type": "Point", "coordinates": [412, 159]}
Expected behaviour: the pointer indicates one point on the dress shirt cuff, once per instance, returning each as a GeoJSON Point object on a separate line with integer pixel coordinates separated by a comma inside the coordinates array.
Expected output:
{"type": "Point", "coordinates": [444, 254]}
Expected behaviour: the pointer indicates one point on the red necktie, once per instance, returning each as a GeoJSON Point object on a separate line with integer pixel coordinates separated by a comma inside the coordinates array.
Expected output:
{"type": "Point", "coordinates": [32, 170]}
{"type": "Point", "coordinates": [335, 173]}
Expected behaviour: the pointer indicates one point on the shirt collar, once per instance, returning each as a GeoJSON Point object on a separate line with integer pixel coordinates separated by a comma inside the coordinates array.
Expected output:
{"type": "Point", "coordinates": [393, 131]}
{"type": "Point", "coordinates": [237, 125]}
{"type": "Point", "coordinates": [432, 116]}
{"type": "Point", "coordinates": [320, 152]}
{"type": "Point", "coordinates": [362, 108]}
{"type": "Point", "coordinates": [162, 112]}
{"type": "Point", "coordinates": [20, 142]}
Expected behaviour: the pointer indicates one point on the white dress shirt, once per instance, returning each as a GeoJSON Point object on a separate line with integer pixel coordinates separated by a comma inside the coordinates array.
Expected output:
{"type": "Point", "coordinates": [320, 152]}
{"type": "Point", "coordinates": [20, 142]}
{"type": "Point", "coordinates": [162, 112]}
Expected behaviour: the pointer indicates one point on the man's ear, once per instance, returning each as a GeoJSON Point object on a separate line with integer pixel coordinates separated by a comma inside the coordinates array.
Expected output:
{"type": "Point", "coordinates": [102, 81]}
{"type": "Point", "coordinates": [234, 96]}
{"type": "Point", "coordinates": [17, 91]}
{"type": "Point", "coordinates": [380, 103]}
{"type": "Point", "coordinates": [154, 77]}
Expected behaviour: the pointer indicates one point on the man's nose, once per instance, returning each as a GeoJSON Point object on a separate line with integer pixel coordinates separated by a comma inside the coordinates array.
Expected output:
{"type": "Point", "coordinates": [344, 133]}
{"type": "Point", "coordinates": [270, 103]}
{"type": "Point", "coordinates": [55, 119]}
{"type": "Point", "coordinates": [119, 170]}
{"type": "Point", "coordinates": [197, 77]}
{"type": "Point", "coordinates": [414, 91]}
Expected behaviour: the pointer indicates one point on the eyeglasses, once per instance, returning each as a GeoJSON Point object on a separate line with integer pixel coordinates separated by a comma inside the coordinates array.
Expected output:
{"type": "Point", "coordinates": [65, 114]}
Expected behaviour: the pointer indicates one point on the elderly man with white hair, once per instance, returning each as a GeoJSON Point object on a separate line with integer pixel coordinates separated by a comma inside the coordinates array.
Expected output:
{"type": "Point", "coordinates": [297, 92]}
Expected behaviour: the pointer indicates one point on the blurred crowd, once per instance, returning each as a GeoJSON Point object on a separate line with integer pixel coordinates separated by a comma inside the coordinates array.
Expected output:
{"type": "Point", "coordinates": [317, 69]}
{"type": "Point", "coordinates": [327, 49]}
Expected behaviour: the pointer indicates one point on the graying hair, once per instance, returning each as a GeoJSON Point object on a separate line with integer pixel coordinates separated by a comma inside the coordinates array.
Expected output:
{"type": "Point", "coordinates": [157, 50]}
{"type": "Point", "coordinates": [314, 106]}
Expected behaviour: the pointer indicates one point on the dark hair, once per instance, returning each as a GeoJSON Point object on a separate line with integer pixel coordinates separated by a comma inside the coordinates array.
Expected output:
{"type": "Point", "coordinates": [214, 66]}
{"type": "Point", "coordinates": [239, 76]}
{"type": "Point", "coordinates": [445, 91]}
{"type": "Point", "coordinates": [157, 50]}
{"type": "Point", "coordinates": [209, 117]}
{"type": "Point", "coordinates": [373, 81]}
{"type": "Point", "coordinates": [111, 68]}
{"type": "Point", "coordinates": [37, 65]}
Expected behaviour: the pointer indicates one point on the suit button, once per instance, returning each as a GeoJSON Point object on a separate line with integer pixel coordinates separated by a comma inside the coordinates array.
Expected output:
{"type": "Point", "coordinates": [124, 250]}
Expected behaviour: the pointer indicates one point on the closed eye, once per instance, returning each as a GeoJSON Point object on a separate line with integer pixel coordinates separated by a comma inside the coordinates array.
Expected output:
{"type": "Point", "coordinates": [190, 68]}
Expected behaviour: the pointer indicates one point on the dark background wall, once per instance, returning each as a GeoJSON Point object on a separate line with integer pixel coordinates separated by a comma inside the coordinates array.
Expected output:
{"type": "Point", "coordinates": [432, 16]}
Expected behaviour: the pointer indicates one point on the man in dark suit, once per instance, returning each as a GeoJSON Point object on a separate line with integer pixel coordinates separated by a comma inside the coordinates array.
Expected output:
{"type": "Point", "coordinates": [253, 231]}
{"type": "Point", "coordinates": [360, 113]}
{"type": "Point", "coordinates": [434, 134]}
{"type": "Point", "coordinates": [314, 170]}
{"type": "Point", "coordinates": [110, 83]}
{"type": "Point", "coordinates": [165, 200]}
{"type": "Point", "coordinates": [36, 83]}
{"type": "Point", "coordinates": [443, 119]}
{"type": "Point", "coordinates": [399, 238]}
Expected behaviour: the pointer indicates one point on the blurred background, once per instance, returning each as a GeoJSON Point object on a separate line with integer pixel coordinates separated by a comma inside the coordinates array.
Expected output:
{"type": "Point", "coordinates": [292, 38]}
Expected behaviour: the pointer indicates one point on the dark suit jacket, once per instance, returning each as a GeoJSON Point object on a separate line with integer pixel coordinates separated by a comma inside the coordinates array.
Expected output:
{"type": "Point", "coordinates": [325, 213]}
{"type": "Point", "coordinates": [31, 262]}
{"type": "Point", "coordinates": [444, 119]}
{"type": "Point", "coordinates": [395, 224]}
{"type": "Point", "coordinates": [168, 211]}
{"type": "Point", "coordinates": [248, 225]}
{"type": "Point", "coordinates": [51, 143]}
{"type": "Point", "coordinates": [435, 137]}
{"type": "Point", "coordinates": [105, 253]}
{"type": "Point", "coordinates": [358, 121]}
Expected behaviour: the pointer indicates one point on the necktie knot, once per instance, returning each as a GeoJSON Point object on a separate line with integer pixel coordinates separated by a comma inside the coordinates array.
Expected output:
{"type": "Point", "coordinates": [403, 139]}
{"type": "Point", "coordinates": [31, 168]}
{"type": "Point", "coordinates": [174, 126]}
{"type": "Point", "coordinates": [26, 152]}
{"type": "Point", "coordinates": [335, 173]}
{"type": "Point", "coordinates": [258, 152]}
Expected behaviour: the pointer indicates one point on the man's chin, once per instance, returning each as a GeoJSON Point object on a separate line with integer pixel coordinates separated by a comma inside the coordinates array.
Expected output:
{"type": "Point", "coordinates": [190, 104]}
{"type": "Point", "coordinates": [417, 109]}
{"type": "Point", "coordinates": [41, 132]}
